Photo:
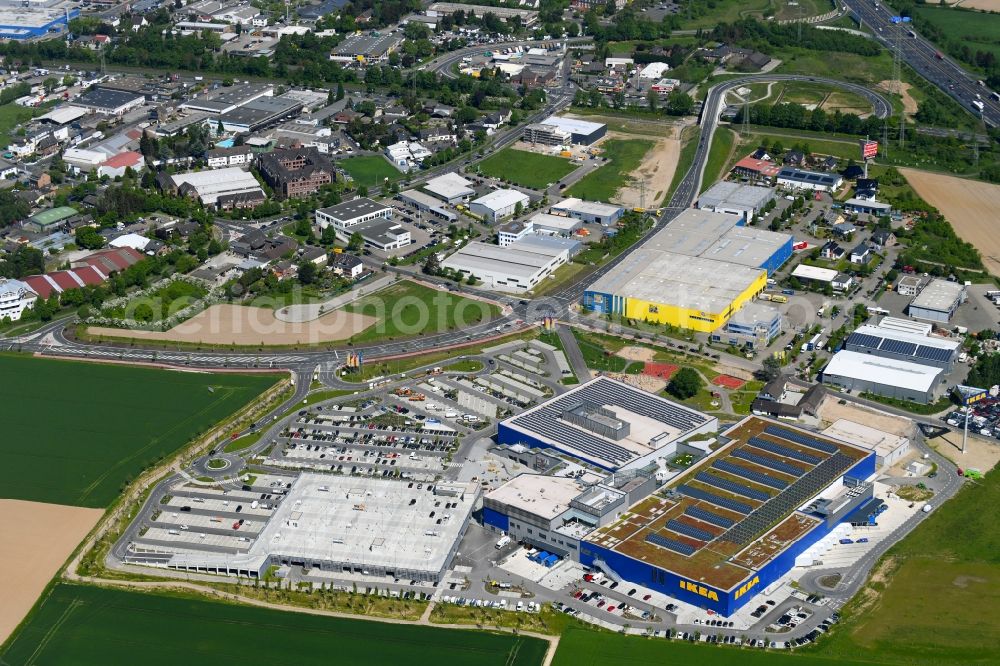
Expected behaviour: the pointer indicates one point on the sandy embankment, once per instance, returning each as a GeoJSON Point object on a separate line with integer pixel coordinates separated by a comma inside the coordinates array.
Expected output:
{"type": "Point", "coordinates": [35, 540]}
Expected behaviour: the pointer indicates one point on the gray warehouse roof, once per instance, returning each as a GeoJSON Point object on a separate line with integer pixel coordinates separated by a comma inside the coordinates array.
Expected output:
{"type": "Point", "coordinates": [940, 295]}
{"type": "Point", "coordinates": [106, 99]}
{"type": "Point", "coordinates": [735, 194]}
{"type": "Point", "coordinates": [349, 210]}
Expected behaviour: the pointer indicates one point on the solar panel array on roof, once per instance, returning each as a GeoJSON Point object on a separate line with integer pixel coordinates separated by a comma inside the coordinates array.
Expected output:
{"type": "Point", "coordinates": [898, 347]}
{"type": "Point", "coordinates": [783, 451]}
{"type": "Point", "coordinates": [707, 516]}
{"type": "Point", "coordinates": [864, 340]}
{"type": "Point", "coordinates": [545, 419]}
{"type": "Point", "coordinates": [933, 353]}
{"type": "Point", "coordinates": [732, 486]}
{"type": "Point", "coordinates": [752, 475]}
{"type": "Point", "coordinates": [670, 544]}
{"type": "Point", "coordinates": [712, 498]}
{"type": "Point", "coordinates": [784, 502]}
{"type": "Point", "coordinates": [770, 463]}
{"type": "Point", "coordinates": [689, 530]}
{"type": "Point", "coordinates": [801, 438]}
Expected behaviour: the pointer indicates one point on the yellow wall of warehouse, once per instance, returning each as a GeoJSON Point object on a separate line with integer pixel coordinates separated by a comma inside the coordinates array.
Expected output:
{"type": "Point", "coordinates": [703, 322]}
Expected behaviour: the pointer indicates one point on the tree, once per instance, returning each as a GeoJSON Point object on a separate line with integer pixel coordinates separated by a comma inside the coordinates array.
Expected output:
{"type": "Point", "coordinates": [340, 91]}
{"type": "Point", "coordinates": [303, 228]}
{"type": "Point", "coordinates": [431, 265]}
{"type": "Point", "coordinates": [12, 209]}
{"type": "Point", "coordinates": [518, 209]}
{"type": "Point", "coordinates": [653, 99]}
{"type": "Point", "coordinates": [21, 262]}
{"type": "Point", "coordinates": [684, 384]}
{"type": "Point", "coordinates": [329, 235]}
{"type": "Point", "coordinates": [679, 103]}
{"type": "Point", "coordinates": [770, 370]}
{"type": "Point", "coordinates": [307, 272]}
{"type": "Point", "coordinates": [356, 243]}
{"type": "Point", "coordinates": [87, 237]}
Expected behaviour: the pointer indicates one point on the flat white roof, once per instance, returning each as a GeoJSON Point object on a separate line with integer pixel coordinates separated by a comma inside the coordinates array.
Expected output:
{"type": "Point", "coordinates": [581, 206]}
{"type": "Point", "coordinates": [556, 222]}
{"type": "Point", "coordinates": [883, 443]}
{"type": "Point", "coordinates": [210, 184]}
{"type": "Point", "coordinates": [543, 496]}
{"type": "Point", "coordinates": [941, 295]}
{"type": "Point", "coordinates": [573, 125]}
{"type": "Point", "coordinates": [64, 114]}
{"type": "Point", "coordinates": [886, 371]}
{"type": "Point", "coordinates": [814, 273]}
{"type": "Point", "coordinates": [449, 186]}
{"type": "Point", "coordinates": [500, 199]}
{"type": "Point", "coordinates": [524, 258]}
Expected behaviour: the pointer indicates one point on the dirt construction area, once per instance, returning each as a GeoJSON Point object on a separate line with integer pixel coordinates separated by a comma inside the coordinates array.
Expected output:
{"type": "Point", "coordinates": [969, 205]}
{"type": "Point", "coordinates": [909, 104]}
{"type": "Point", "coordinates": [636, 353]}
{"type": "Point", "coordinates": [987, 5]}
{"type": "Point", "coordinates": [657, 169]}
{"type": "Point", "coordinates": [37, 539]}
{"type": "Point", "coordinates": [225, 324]}
{"type": "Point", "coordinates": [980, 453]}
{"type": "Point", "coordinates": [830, 410]}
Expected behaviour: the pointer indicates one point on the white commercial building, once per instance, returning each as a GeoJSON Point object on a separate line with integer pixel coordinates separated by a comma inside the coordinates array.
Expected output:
{"type": "Point", "coordinates": [351, 213]}
{"type": "Point", "coordinates": [134, 241]}
{"type": "Point", "coordinates": [938, 301]}
{"type": "Point", "coordinates": [499, 204]}
{"type": "Point", "coordinates": [517, 268]}
{"type": "Point", "coordinates": [15, 298]}
{"type": "Point", "coordinates": [888, 447]}
{"type": "Point", "coordinates": [654, 71]}
{"type": "Point", "coordinates": [407, 155]}
{"type": "Point", "coordinates": [208, 186]}
{"type": "Point", "coordinates": [888, 377]}
{"type": "Point", "coordinates": [85, 160]}
{"type": "Point", "coordinates": [450, 188]}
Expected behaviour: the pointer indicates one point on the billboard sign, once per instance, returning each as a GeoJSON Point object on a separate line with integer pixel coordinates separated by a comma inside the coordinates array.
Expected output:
{"type": "Point", "coordinates": [869, 149]}
{"type": "Point", "coordinates": [970, 394]}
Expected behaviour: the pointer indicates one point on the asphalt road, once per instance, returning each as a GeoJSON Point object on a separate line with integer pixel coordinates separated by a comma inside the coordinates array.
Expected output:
{"type": "Point", "coordinates": [922, 56]}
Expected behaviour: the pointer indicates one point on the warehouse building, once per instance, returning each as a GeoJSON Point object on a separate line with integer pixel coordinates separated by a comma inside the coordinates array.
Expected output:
{"type": "Point", "coordinates": [109, 102]}
{"type": "Point", "coordinates": [609, 425]}
{"type": "Point", "coordinates": [367, 49]}
{"type": "Point", "coordinates": [736, 199]}
{"type": "Point", "coordinates": [905, 340]}
{"type": "Point", "coordinates": [938, 301]}
{"type": "Point", "coordinates": [351, 525]}
{"type": "Point", "coordinates": [379, 234]}
{"type": "Point", "coordinates": [888, 447]}
{"type": "Point", "coordinates": [450, 188]}
{"type": "Point", "coordinates": [516, 268]}
{"type": "Point", "coordinates": [732, 527]}
{"type": "Point", "coordinates": [581, 132]}
{"type": "Point", "coordinates": [823, 276]}
{"type": "Point", "coordinates": [887, 377]}
{"type": "Point", "coordinates": [591, 212]}
{"type": "Point", "coordinates": [527, 17]}
{"type": "Point", "coordinates": [754, 326]}
{"type": "Point", "coordinates": [427, 204]}
{"type": "Point", "coordinates": [259, 113]}
{"type": "Point", "coordinates": [228, 98]}
{"type": "Point", "coordinates": [800, 179]}
{"type": "Point", "coordinates": [546, 135]}
{"type": "Point", "coordinates": [211, 186]}
{"type": "Point", "coordinates": [22, 21]}
{"type": "Point", "coordinates": [344, 216]}
{"type": "Point", "coordinates": [499, 204]}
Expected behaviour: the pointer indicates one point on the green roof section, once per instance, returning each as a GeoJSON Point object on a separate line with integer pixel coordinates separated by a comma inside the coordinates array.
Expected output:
{"type": "Point", "coordinates": [53, 215]}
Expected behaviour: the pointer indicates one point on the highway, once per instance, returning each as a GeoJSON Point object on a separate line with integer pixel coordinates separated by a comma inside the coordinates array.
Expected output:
{"type": "Point", "coordinates": [922, 56]}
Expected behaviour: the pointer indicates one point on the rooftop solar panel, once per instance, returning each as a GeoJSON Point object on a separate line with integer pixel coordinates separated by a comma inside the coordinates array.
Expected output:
{"type": "Point", "coordinates": [783, 451]}
{"type": "Point", "coordinates": [732, 486]}
{"type": "Point", "coordinates": [864, 340]}
{"type": "Point", "coordinates": [934, 353]}
{"type": "Point", "coordinates": [689, 530]}
{"type": "Point", "coordinates": [712, 498]}
{"type": "Point", "coordinates": [670, 544]}
{"type": "Point", "coordinates": [752, 475]}
{"type": "Point", "coordinates": [898, 347]}
{"type": "Point", "coordinates": [707, 516]}
{"type": "Point", "coordinates": [801, 438]}
{"type": "Point", "coordinates": [770, 463]}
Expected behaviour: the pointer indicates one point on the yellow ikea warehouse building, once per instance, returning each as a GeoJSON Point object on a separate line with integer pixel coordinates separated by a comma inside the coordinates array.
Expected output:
{"type": "Point", "coordinates": [694, 273]}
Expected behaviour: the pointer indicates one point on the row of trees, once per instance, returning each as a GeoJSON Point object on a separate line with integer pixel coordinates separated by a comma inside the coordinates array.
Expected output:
{"type": "Point", "coordinates": [796, 116]}
{"type": "Point", "coordinates": [764, 36]}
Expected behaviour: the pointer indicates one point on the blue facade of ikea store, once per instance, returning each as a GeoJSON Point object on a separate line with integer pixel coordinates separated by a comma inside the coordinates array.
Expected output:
{"type": "Point", "coordinates": [723, 602]}
{"type": "Point", "coordinates": [59, 23]}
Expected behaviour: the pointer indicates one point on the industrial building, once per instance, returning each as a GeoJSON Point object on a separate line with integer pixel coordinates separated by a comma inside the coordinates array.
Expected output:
{"type": "Point", "coordinates": [754, 326]}
{"type": "Point", "coordinates": [546, 135]}
{"type": "Point", "coordinates": [609, 425]}
{"type": "Point", "coordinates": [937, 301]}
{"type": "Point", "coordinates": [581, 132]}
{"type": "Point", "coordinates": [109, 102]}
{"type": "Point", "coordinates": [694, 273]}
{"type": "Point", "coordinates": [31, 22]}
{"type": "Point", "coordinates": [888, 447]}
{"type": "Point", "coordinates": [345, 524]}
{"type": "Point", "coordinates": [259, 113]}
{"type": "Point", "coordinates": [889, 377]}
{"type": "Point", "coordinates": [228, 98]}
{"type": "Point", "coordinates": [591, 212]}
{"type": "Point", "coordinates": [737, 520]}
{"type": "Point", "coordinates": [427, 204]}
{"type": "Point", "coordinates": [736, 199]}
{"type": "Point", "coordinates": [209, 186]}
{"type": "Point", "coordinates": [344, 216]}
{"type": "Point", "coordinates": [818, 275]}
{"type": "Point", "coordinates": [905, 340]}
{"type": "Point", "coordinates": [527, 17]}
{"type": "Point", "coordinates": [379, 234]}
{"type": "Point", "coordinates": [800, 179]}
{"type": "Point", "coordinates": [499, 204]}
{"type": "Point", "coordinates": [367, 49]}
{"type": "Point", "coordinates": [450, 188]}
{"type": "Point", "coordinates": [516, 268]}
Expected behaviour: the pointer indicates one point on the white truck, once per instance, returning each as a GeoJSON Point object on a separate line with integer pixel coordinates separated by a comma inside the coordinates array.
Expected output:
{"type": "Point", "coordinates": [503, 541]}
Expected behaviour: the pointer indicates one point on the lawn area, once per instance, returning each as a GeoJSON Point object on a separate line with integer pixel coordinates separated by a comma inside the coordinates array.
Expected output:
{"type": "Point", "coordinates": [161, 304]}
{"type": "Point", "coordinates": [979, 31]}
{"type": "Point", "coordinates": [12, 115]}
{"type": "Point", "coordinates": [526, 169]}
{"type": "Point", "coordinates": [689, 147]}
{"type": "Point", "coordinates": [867, 70]}
{"type": "Point", "coordinates": [707, 15]}
{"type": "Point", "coordinates": [370, 170]}
{"type": "Point", "coordinates": [90, 625]}
{"type": "Point", "coordinates": [82, 430]}
{"type": "Point", "coordinates": [600, 185]}
{"type": "Point", "coordinates": [718, 156]}
{"type": "Point", "coordinates": [596, 355]}
{"type": "Point", "coordinates": [406, 309]}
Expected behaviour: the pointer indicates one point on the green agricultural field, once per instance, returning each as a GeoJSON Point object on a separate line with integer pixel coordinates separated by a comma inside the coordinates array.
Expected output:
{"type": "Point", "coordinates": [526, 169]}
{"type": "Point", "coordinates": [81, 430]}
{"type": "Point", "coordinates": [979, 30]}
{"type": "Point", "coordinates": [600, 185]}
{"type": "Point", "coordinates": [407, 309]}
{"type": "Point", "coordinates": [92, 626]}
{"type": "Point", "coordinates": [370, 170]}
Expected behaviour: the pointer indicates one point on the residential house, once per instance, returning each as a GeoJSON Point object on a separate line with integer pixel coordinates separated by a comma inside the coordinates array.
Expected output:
{"type": "Point", "coordinates": [882, 239]}
{"type": "Point", "coordinates": [347, 265]}
{"type": "Point", "coordinates": [861, 254]}
{"type": "Point", "coordinates": [831, 251]}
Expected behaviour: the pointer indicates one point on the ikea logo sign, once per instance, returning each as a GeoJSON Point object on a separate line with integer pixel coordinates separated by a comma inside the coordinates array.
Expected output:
{"type": "Point", "coordinates": [746, 587]}
{"type": "Point", "coordinates": [700, 590]}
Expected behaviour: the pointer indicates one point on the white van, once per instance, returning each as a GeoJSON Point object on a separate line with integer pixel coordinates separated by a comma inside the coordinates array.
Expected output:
{"type": "Point", "coordinates": [503, 541]}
